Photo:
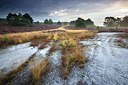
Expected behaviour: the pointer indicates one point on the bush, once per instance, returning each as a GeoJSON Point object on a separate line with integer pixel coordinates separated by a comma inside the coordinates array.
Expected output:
{"type": "Point", "coordinates": [55, 37]}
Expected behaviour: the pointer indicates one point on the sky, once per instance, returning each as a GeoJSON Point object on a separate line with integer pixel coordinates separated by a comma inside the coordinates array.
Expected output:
{"type": "Point", "coordinates": [66, 10]}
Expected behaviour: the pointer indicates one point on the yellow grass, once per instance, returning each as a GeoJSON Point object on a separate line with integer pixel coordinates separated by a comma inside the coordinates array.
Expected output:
{"type": "Point", "coordinates": [72, 51]}
{"type": "Point", "coordinates": [55, 37]}
{"type": "Point", "coordinates": [39, 68]}
{"type": "Point", "coordinates": [16, 38]}
{"type": "Point", "coordinates": [68, 41]}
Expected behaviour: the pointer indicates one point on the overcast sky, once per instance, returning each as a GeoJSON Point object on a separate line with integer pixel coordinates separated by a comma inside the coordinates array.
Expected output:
{"type": "Point", "coordinates": [66, 10]}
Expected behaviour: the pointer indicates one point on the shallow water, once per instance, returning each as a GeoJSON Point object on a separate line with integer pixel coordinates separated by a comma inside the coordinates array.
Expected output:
{"type": "Point", "coordinates": [13, 56]}
{"type": "Point", "coordinates": [107, 65]}
{"type": "Point", "coordinates": [53, 77]}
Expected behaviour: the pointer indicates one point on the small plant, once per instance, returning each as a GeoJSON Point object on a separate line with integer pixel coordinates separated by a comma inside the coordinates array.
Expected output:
{"type": "Point", "coordinates": [72, 42]}
{"type": "Point", "coordinates": [63, 43]}
{"type": "Point", "coordinates": [67, 62]}
{"type": "Point", "coordinates": [55, 37]}
{"type": "Point", "coordinates": [80, 59]}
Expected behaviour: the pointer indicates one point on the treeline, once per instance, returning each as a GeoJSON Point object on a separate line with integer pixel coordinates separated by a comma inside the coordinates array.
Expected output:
{"type": "Point", "coordinates": [82, 23]}
{"type": "Point", "coordinates": [112, 21]}
{"type": "Point", "coordinates": [26, 20]}
{"type": "Point", "coordinates": [19, 19]}
{"type": "Point", "coordinates": [48, 21]}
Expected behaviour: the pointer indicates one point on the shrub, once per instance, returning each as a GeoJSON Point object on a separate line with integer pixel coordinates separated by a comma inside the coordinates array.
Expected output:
{"type": "Point", "coordinates": [72, 42]}
{"type": "Point", "coordinates": [55, 37]}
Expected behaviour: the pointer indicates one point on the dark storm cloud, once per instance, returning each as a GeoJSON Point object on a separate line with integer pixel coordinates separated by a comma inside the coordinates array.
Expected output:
{"type": "Point", "coordinates": [39, 6]}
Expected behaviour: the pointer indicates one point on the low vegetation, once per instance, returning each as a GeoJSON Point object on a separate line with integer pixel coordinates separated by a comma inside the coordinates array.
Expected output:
{"type": "Point", "coordinates": [121, 40]}
{"type": "Point", "coordinates": [16, 38]}
{"type": "Point", "coordinates": [116, 22]}
{"type": "Point", "coordinates": [82, 23]}
{"type": "Point", "coordinates": [67, 41]}
{"type": "Point", "coordinates": [124, 36]}
{"type": "Point", "coordinates": [38, 69]}
{"type": "Point", "coordinates": [43, 44]}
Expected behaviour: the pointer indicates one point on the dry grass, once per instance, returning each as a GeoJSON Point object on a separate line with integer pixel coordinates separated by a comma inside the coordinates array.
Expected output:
{"type": "Point", "coordinates": [72, 51]}
{"type": "Point", "coordinates": [67, 62]}
{"type": "Point", "coordinates": [16, 38]}
{"type": "Point", "coordinates": [43, 44]}
{"type": "Point", "coordinates": [55, 37]}
{"type": "Point", "coordinates": [53, 48]}
{"type": "Point", "coordinates": [80, 58]}
{"type": "Point", "coordinates": [68, 41]}
{"type": "Point", "coordinates": [124, 36]}
{"type": "Point", "coordinates": [82, 35]}
{"type": "Point", "coordinates": [72, 56]}
{"type": "Point", "coordinates": [38, 68]}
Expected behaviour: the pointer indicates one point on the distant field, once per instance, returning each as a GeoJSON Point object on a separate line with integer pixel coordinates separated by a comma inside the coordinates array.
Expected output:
{"type": "Point", "coordinates": [76, 28]}
{"type": "Point", "coordinates": [114, 29]}
{"type": "Point", "coordinates": [101, 29]}
{"type": "Point", "coordinates": [4, 29]}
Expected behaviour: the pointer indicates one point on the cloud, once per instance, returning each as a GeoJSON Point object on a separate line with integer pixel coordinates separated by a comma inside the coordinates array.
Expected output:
{"type": "Point", "coordinates": [60, 13]}
{"type": "Point", "coordinates": [66, 10]}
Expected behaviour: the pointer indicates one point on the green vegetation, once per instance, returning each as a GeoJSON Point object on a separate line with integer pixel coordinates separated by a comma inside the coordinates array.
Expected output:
{"type": "Point", "coordinates": [19, 20]}
{"type": "Point", "coordinates": [112, 21]}
{"type": "Point", "coordinates": [48, 21]}
{"type": "Point", "coordinates": [82, 23]}
{"type": "Point", "coordinates": [71, 50]}
{"type": "Point", "coordinates": [59, 23]}
{"type": "Point", "coordinates": [124, 21]}
{"type": "Point", "coordinates": [124, 36]}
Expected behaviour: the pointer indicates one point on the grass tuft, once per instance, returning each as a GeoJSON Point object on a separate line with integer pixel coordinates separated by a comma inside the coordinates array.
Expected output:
{"type": "Point", "coordinates": [39, 68]}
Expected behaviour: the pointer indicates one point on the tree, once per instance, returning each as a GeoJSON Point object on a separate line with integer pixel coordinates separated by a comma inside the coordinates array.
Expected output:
{"type": "Point", "coordinates": [110, 21]}
{"type": "Point", "coordinates": [65, 23]}
{"type": "Point", "coordinates": [124, 22]}
{"type": "Point", "coordinates": [10, 18]}
{"type": "Point", "coordinates": [50, 21]}
{"type": "Point", "coordinates": [118, 22]}
{"type": "Point", "coordinates": [46, 21]}
{"type": "Point", "coordinates": [19, 20]}
{"type": "Point", "coordinates": [59, 23]}
{"type": "Point", "coordinates": [80, 22]}
{"type": "Point", "coordinates": [89, 22]}
{"type": "Point", "coordinates": [37, 22]}
{"type": "Point", "coordinates": [28, 17]}
{"type": "Point", "coordinates": [73, 23]}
